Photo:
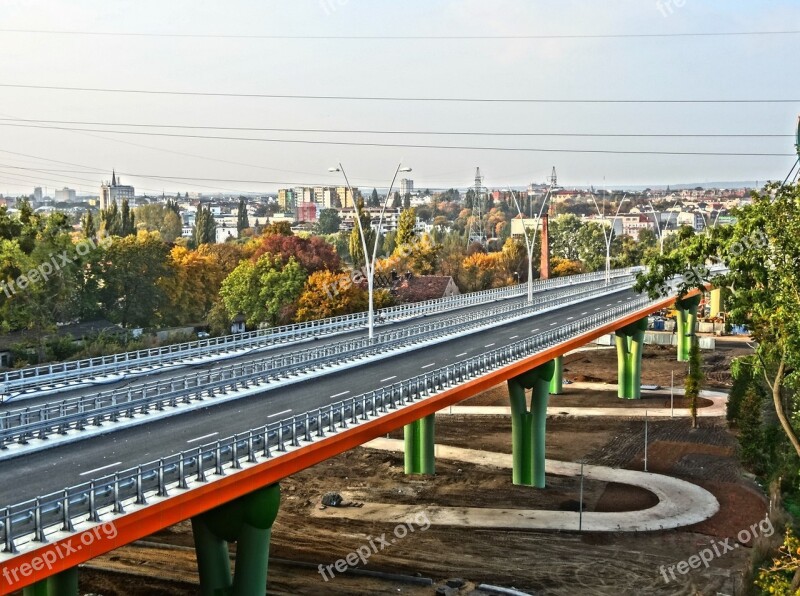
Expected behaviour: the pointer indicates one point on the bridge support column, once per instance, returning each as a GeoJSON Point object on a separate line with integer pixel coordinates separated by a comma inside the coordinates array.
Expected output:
{"type": "Point", "coordinates": [419, 446]}
{"type": "Point", "coordinates": [716, 302]}
{"type": "Point", "coordinates": [248, 522]}
{"type": "Point", "coordinates": [557, 382]}
{"type": "Point", "coordinates": [528, 426]}
{"type": "Point", "coordinates": [61, 584]}
{"type": "Point", "coordinates": [686, 325]}
{"type": "Point", "coordinates": [630, 341]}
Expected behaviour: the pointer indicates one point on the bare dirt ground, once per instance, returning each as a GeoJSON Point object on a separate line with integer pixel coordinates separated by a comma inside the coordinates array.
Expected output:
{"type": "Point", "coordinates": [538, 562]}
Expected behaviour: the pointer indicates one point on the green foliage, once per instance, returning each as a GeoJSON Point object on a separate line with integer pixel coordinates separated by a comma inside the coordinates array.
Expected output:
{"type": "Point", "coordinates": [777, 578]}
{"type": "Point", "coordinates": [262, 290]}
{"type": "Point", "coordinates": [762, 254]}
{"type": "Point", "coordinates": [406, 234]}
{"type": "Point", "coordinates": [87, 225]}
{"type": "Point", "coordinates": [161, 219]}
{"type": "Point", "coordinates": [134, 271]}
{"type": "Point", "coordinates": [205, 227]}
{"type": "Point", "coordinates": [242, 221]}
{"type": "Point", "coordinates": [328, 221]}
{"type": "Point", "coordinates": [374, 199]}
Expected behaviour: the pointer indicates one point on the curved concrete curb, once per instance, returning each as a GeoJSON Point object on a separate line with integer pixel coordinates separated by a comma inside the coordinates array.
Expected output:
{"type": "Point", "coordinates": [680, 503]}
{"type": "Point", "coordinates": [717, 409]}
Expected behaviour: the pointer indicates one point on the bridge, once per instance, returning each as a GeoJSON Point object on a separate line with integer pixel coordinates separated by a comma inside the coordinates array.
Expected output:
{"type": "Point", "coordinates": [105, 452]}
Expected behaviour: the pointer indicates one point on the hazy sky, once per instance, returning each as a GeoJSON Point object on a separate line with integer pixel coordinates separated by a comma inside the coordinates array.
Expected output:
{"type": "Point", "coordinates": [743, 67]}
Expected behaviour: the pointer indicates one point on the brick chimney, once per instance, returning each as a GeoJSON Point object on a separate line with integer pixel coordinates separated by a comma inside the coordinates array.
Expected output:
{"type": "Point", "coordinates": [544, 266]}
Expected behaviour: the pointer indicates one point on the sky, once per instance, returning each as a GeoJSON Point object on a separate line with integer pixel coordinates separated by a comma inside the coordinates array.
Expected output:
{"type": "Point", "coordinates": [428, 66]}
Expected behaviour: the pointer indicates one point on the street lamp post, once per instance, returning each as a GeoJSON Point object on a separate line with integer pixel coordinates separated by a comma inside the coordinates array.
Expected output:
{"type": "Point", "coordinates": [658, 225]}
{"type": "Point", "coordinates": [369, 262]}
{"type": "Point", "coordinates": [529, 242]}
{"type": "Point", "coordinates": [608, 234]}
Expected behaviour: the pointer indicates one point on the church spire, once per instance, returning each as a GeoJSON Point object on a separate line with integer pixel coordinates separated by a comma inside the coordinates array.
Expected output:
{"type": "Point", "coordinates": [113, 178]}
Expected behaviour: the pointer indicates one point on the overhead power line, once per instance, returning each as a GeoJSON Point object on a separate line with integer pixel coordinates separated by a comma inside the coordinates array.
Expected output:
{"type": "Point", "coordinates": [397, 37]}
{"type": "Point", "coordinates": [403, 145]}
{"type": "Point", "coordinates": [403, 132]}
{"type": "Point", "coordinates": [521, 100]}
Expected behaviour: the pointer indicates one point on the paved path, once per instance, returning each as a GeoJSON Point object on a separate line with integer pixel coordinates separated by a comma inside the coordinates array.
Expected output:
{"type": "Point", "coordinates": [716, 409]}
{"type": "Point", "coordinates": [680, 503]}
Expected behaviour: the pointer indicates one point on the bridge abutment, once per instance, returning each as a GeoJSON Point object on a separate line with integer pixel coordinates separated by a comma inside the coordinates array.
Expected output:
{"type": "Point", "coordinates": [630, 341]}
{"type": "Point", "coordinates": [686, 325]}
{"type": "Point", "coordinates": [419, 446]}
{"type": "Point", "coordinates": [528, 426]}
{"type": "Point", "coordinates": [248, 522]}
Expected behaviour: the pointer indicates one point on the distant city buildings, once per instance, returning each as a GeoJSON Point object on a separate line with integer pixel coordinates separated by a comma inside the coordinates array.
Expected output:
{"type": "Point", "coordinates": [113, 192]}
{"type": "Point", "coordinates": [65, 195]}
{"type": "Point", "coordinates": [37, 194]}
{"type": "Point", "coordinates": [406, 186]}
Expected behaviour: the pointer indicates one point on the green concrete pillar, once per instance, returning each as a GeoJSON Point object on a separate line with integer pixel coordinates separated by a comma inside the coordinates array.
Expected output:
{"type": "Point", "coordinates": [61, 584]}
{"type": "Point", "coordinates": [630, 341]}
{"type": "Point", "coordinates": [716, 302]}
{"type": "Point", "coordinates": [686, 325]}
{"type": "Point", "coordinates": [528, 426]}
{"type": "Point", "coordinates": [248, 522]}
{"type": "Point", "coordinates": [419, 446]}
{"type": "Point", "coordinates": [557, 382]}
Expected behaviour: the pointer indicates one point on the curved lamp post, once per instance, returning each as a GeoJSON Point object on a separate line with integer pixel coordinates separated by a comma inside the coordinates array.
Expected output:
{"type": "Point", "coordinates": [528, 241]}
{"type": "Point", "coordinates": [369, 263]}
{"type": "Point", "coordinates": [608, 234]}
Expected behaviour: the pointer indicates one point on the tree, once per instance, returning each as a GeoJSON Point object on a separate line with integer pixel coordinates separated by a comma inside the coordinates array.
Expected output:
{"type": "Point", "coordinates": [242, 222]}
{"type": "Point", "coordinates": [329, 294]}
{"type": "Point", "coordinates": [761, 253]}
{"type": "Point", "coordinates": [134, 271]}
{"type": "Point", "coordinates": [205, 227]}
{"type": "Point", "coordinates": [279, 228]}
{"type": "Point", "coordinates": [161, 219]}
{"type": "Point", "coordinates": [328, 222]}
{"type": "Point", "coordinates": [406, 232]}
{"type": "Point", "coordinates": [87, 225]}
{"type": "Point", "coordinates": [407, 201]}
{"type": "Point", "coordinates": [312, 254]}
{"type": "Point", "coordinates": [193, 289]}
{"type": "Point", "coordinates": [374, 199]}
{"type": "Point", "coordinates": [263, 290]}
{"type": "Point", "coordinates": [127, 219]}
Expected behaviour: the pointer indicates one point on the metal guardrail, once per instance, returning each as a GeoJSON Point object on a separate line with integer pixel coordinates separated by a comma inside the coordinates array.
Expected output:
{"type": "Point", "coordinates": [112, 493]}
{"type": "Point", "coordinates": [49, 375]}
{"type": "Point", "coordinates": [23, 424]}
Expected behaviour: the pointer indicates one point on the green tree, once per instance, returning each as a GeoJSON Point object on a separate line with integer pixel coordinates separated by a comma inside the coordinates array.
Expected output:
{"type": "Point", "coordinates": [242, 222]}
{"type": "Point", "coordinates": [406, 224]}
{"type": "Point", "coordinates": [329, 221]}
{"type": "Point", "coordinates": [127, 219]}
{"type": "Point", "coordinates": [374, 199]}
{"type": "Point", "coordinates": [87, 225]}
{"type": "Point", "coordinates": [262, 290]}
{"type": "Point", "coordinates": [761, 253]}
{"type": "Point", "coordinates": [205, 227]}
{"type": "Point", "coordinates": [161, 219]}
{"type": "Point", "coordinates": [134, 273]}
